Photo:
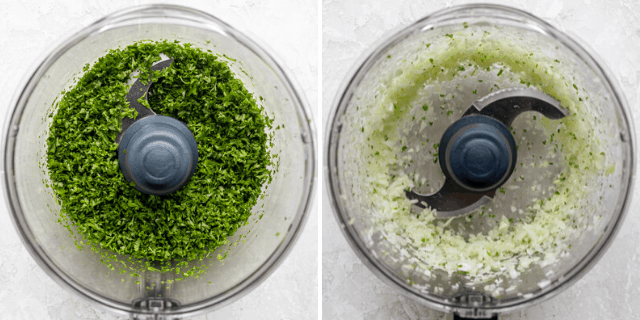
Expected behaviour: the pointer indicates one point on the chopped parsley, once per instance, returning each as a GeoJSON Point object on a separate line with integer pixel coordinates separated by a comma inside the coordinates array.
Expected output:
{"type": "Point", "coordinates": [234, 162]}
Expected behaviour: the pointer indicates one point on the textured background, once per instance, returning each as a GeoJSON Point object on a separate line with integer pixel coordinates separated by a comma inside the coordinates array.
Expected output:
{"type": "Point", "coordinates": [611, 289]}
{"type": "Point", "coordinates": [29, 28]}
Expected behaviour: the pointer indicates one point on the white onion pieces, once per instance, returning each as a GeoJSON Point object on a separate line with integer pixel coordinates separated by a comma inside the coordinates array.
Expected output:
{"type": "Point", "coordinates": [398, 135]}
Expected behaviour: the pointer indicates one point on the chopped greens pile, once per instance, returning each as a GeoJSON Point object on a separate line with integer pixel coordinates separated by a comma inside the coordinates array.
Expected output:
{"type": "Point", "coordinates": [234, 162]}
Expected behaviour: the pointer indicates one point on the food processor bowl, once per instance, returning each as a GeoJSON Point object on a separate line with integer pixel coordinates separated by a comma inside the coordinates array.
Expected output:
{"type": "Point", "coordinates": [568, 194]}
{"type": "Point", "coordinates": [252, 253]}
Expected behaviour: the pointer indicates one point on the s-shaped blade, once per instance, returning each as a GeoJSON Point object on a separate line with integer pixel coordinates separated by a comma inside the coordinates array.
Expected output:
{"type": "Point", "coordinates": [478, 152]}
{"type": "Point", "coordinates": [137, 91]}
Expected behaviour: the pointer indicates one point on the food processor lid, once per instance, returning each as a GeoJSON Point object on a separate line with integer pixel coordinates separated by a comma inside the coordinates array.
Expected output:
{"type": "Point", "coordinates": [478, 152]}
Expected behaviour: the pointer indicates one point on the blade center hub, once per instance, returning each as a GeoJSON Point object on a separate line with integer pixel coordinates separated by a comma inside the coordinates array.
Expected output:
{"type": "Point", "coordinates": [478, 153]}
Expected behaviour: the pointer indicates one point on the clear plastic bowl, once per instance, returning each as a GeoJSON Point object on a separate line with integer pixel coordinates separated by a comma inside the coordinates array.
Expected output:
{"type": "Point", "coordinates": [401, 62]}
{"type": "Point", "coordinates": [287, 199]}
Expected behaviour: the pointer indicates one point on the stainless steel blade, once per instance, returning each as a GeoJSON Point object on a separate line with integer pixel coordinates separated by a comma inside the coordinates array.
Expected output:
{"type": "Point", "coordinates": [137, 91]}
{"type": "Point", "coordinates": [506, 104]}
{"type": "Point", "coordinates": [451, 201]}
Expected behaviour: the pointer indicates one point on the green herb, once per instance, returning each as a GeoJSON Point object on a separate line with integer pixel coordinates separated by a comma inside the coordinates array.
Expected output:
{"type": "Point", "coordinates": [233, 147]}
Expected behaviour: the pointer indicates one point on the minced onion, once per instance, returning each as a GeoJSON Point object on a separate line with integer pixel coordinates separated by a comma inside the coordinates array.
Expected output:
{"type": "Point", "coordinates": [395, 139]}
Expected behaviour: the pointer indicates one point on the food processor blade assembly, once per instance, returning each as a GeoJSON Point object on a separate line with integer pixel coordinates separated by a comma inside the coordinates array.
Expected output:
{"type": "Point", "coordinates": [157, 153]}
{"type": "Point", "coordinates": [478, 152]}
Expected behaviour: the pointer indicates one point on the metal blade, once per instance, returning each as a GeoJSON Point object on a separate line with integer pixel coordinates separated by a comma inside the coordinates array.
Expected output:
{"type": "Point", "coordinates": [136, 92]}
{"type": "Point", "coordinates": [506, 104]}
{"type": "Point", "coordinates": [451, 201]}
